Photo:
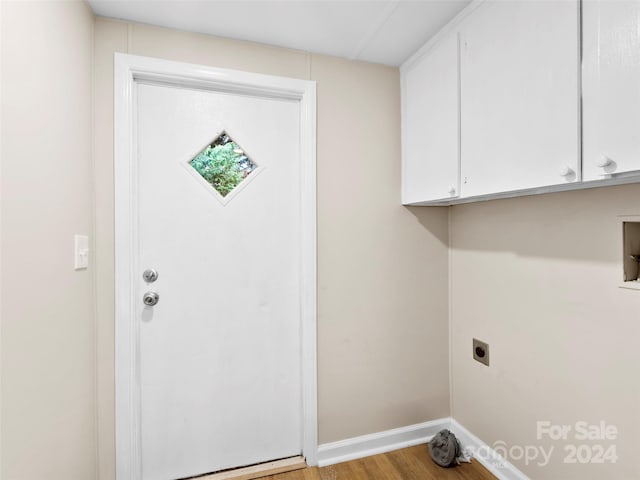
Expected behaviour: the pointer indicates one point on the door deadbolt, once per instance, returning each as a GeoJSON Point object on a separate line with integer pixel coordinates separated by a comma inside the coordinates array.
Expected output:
{"type": "Point", "coordinates": [150, 299]}
{"type": "Point", "coordinates": [150, 275]}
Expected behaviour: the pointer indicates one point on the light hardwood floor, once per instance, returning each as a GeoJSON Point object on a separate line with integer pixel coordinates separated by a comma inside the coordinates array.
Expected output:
{"type": "Point", "coordinates": [412, 463]}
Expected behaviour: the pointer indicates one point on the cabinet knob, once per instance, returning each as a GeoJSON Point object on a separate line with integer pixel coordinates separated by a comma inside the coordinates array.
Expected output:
{"type": "Point", "coordinates": [604, 161]}
{"type": "Point", "coordinates": [451, 190]}
{"type": "Point", "coordinates": [565, 171]}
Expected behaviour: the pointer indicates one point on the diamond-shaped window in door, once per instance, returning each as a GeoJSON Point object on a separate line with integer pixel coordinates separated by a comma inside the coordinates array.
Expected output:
{"type": "Point", "coordinates": [223, 164]}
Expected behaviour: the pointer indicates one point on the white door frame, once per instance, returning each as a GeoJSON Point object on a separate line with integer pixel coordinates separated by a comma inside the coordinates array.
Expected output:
{"type": "Point", "coordinates": [129, 69]}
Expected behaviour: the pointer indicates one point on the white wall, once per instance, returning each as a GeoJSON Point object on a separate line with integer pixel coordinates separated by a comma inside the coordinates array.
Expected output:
{"type": "Point", "coordinates": [537, 278]}
{"type": "Point", "coordinates": [47, 329]}
{"type": "Point", "coordinates": [382, 268]}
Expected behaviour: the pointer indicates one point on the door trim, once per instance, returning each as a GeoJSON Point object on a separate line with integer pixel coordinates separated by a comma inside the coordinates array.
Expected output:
{"type": "Point", "coordinates": [129, 69]}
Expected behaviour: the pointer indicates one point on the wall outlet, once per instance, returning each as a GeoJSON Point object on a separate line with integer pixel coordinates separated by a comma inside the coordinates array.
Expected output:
{"type": "Point", "coordinates": [481, 351]}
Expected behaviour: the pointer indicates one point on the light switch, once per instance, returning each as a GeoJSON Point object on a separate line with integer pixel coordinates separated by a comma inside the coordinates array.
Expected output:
{"type": "Point", "coordinates": [81, 255]}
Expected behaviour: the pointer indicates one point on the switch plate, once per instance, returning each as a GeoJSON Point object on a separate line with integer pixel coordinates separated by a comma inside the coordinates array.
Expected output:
{"type": "Point", "coordinates": [481, 351]}
{"type": "Point", "coordinates": [81, 252]}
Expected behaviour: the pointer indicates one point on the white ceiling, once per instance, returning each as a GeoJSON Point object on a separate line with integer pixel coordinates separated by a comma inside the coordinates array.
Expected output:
{"type": "Point", "coordinates": [380, 31]}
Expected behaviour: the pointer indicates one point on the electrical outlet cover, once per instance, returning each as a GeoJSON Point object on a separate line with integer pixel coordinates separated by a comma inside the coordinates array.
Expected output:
{"type": "Point", "coordinates": [481, 351]}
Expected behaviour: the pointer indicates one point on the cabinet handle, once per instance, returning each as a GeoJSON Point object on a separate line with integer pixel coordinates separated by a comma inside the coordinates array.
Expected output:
{"type": "Point", "coordinates": [565, 171]}
{"type": "Point", "coordinates": [452, 190]}
{"type": "Point", "coordinates": [604, 161]}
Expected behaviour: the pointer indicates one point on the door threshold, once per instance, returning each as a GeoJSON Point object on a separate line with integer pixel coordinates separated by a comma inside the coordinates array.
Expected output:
{"type": "Point", "coordinates": [259, 470]}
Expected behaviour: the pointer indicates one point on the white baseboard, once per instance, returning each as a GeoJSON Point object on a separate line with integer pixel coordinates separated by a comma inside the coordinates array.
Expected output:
{"type": "Point", "coordinates": [381, 442]}
{"type": "Point", "coordinates": [485, 455]}
{"type": "Point", "coordinates": [389, 440]}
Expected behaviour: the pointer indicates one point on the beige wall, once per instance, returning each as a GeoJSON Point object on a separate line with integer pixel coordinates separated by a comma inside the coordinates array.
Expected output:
{"type": "Point", "coordinates": [382, 279]}
{"type": "Point", "coordinates": [47, 329]}
{"type": "Point", "coordinates": [537, 278]}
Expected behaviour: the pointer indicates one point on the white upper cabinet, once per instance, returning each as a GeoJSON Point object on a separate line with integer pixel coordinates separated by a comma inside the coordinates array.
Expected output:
{"type": "Point", "coordinates": [430, 124]}
{"type": "Point", "coordinates": [492, 105]}
{"type": "Point", "coordinates": [611, 87]}
{"type": "Point", "coordinates": [520, 99]}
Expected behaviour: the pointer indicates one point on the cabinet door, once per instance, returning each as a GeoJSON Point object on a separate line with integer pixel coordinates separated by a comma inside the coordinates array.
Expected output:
{"type": "Point", "coordinates": [611, 87]}
{"type": "Point", "coordinates": [520, 96]}
{"type": "Point", "coordinates": [430, 125]}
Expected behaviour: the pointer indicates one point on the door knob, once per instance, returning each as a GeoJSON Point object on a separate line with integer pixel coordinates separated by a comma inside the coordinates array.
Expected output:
{"type": "Point", "coordinates": [451, 190]}
{"type": "Point", "coordinates": [150, 275]}
{"type": "Point", "coordinates": [150, 298]}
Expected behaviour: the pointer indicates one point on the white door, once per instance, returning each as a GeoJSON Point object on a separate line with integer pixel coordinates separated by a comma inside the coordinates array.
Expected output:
{"type": "Point", "coordinates": [611, 87]}
{"type": "Point", "coordinates": [520, 96]}
{"type": "Point", "coordinates": [211, 376]}
{"type": "Point", "coordinates": [431, 125]}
